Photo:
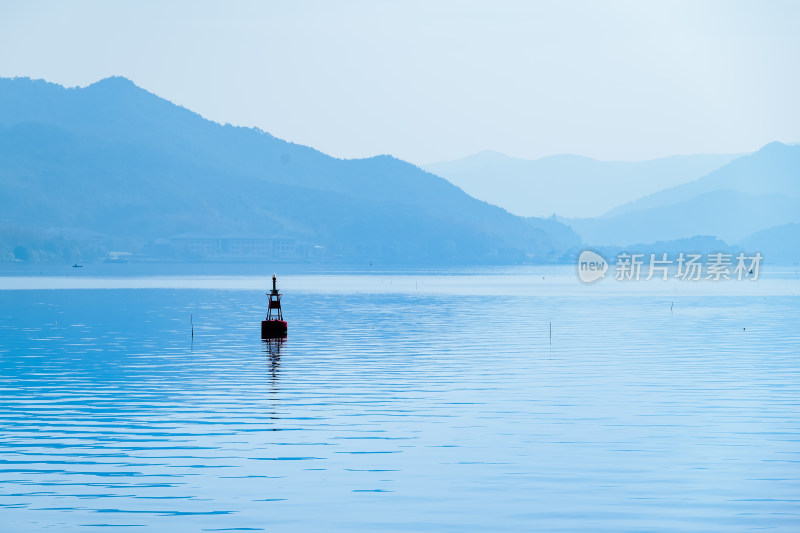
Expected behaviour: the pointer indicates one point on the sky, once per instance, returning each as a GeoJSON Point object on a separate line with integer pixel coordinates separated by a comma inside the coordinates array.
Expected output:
{"type": "Point", "coordinates": [437, 80]}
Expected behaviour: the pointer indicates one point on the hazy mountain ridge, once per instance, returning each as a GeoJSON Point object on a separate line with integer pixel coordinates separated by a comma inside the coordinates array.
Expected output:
{"type": "Point", "coordinates": [115, 159]}
{"type": "Point", "coordinates": [698, 244]}
{"type": "Point", "coordinates": [735, 202]}
{"type": "Point", "coordinates": [734, 198]}
{"type": "Point", "coordinates": [780, 244]}
{"type": "Point", "coordinates": [728, 214]}
{"type": "Point", "coordinates": [569, 185]}
{"type": "Point", "coordinates": [774, 169]}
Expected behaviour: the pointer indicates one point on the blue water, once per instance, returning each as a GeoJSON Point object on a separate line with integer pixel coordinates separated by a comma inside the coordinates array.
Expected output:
{"type": "Point", "coordinates": [399, 403]}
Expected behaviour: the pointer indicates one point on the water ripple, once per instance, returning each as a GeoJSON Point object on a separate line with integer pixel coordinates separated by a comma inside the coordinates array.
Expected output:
{"type": "Point", "coordinates": [400, 410]}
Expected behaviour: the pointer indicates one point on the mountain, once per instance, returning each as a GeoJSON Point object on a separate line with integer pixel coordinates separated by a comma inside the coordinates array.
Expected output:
{"type": "Point", "coordinates": [778, 244]}
{"type": "Point", "coordinates": [728, 214]}
{"type": "Point", "coordinates": [749, 194]}
{"type": "Point", "coordinates": [116, 160]}
{"type": "Point", "coordinates": [569, 185]}
{"type": "Point", "coordinates": [775, 169]}
{"type": "Point", "coordinates": [698, 244]}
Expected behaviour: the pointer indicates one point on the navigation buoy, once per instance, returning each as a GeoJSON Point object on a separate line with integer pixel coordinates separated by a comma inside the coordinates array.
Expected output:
{"type": "Point", "coordinates": [274, 326]}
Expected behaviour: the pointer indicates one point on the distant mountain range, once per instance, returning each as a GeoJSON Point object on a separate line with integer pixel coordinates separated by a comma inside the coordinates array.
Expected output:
{"type": "Point", "coordinates": [747, 196]}
{"type": "Point", "coordinates": [112, 166]}
{"type": "Point", "coordinates": [85, 171]}
{"type": "Point", "coordinates": [569, 185]}
{"type": "Point", "coordinates": [707, 201]}
{"type": "Point", "coordinates": [779, 244]}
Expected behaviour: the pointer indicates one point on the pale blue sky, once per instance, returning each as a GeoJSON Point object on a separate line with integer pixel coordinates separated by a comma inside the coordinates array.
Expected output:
{"type": "Point", "coordinates": [429, 81]}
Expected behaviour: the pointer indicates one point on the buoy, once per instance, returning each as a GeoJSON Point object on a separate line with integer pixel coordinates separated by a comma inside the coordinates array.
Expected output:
{"type": "Point", "coordinates": [274, 326]}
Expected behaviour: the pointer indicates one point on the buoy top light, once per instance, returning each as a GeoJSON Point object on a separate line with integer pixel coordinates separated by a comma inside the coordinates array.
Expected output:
{"type": "Point", "coordinates": [274, 325]}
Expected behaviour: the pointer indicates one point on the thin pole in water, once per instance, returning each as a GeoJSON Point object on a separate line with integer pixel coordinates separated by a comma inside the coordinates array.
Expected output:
{"type": "Point", "coordinates": [191, 321]}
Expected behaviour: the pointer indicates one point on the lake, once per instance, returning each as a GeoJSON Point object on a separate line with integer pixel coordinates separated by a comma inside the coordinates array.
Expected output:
{"type": "Point", "coordinates": [486, 400]}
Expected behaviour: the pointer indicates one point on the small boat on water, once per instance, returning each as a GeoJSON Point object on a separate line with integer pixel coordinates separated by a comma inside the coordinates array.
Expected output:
{"type": "Point", "coordinates": [76, 265]}
{"type": "Point", "coordinates": [274, 326]}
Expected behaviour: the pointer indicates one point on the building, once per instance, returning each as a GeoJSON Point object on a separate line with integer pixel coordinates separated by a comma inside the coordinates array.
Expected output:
{"type": "Point", "coordinates": [199, 246]}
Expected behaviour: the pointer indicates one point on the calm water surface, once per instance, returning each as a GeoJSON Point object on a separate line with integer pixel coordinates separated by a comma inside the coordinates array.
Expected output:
{"type": "Point", "coordinates": [399, 403]}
